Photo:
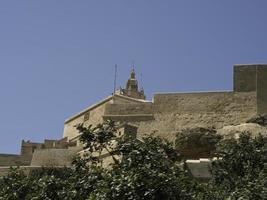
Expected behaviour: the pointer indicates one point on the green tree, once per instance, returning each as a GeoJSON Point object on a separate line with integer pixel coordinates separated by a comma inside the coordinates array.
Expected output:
{"type": "Point", "coordinates": [98, 139]}
{"type": "Point", "coordinates": [14, 186]}
{"type": "Point", "coordinates": [258, 119]}
{"type": "Point", "coordinates": [197, 142]}
{"type": "Point", "coordinates": [240, 170]}
{"type": "Point", "coordinates": [147, 168]}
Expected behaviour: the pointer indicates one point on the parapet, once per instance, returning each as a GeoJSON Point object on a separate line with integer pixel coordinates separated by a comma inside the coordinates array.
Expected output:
{"type": "Point", "coordinates": [252, 77]}
{"type": "Point", "coordinates": [248, 77]}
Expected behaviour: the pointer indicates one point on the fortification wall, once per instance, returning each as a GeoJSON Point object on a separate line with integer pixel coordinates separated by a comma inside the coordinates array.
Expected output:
{"type": "Point", "coordinates": [252, 77]}
{"type": "Point", "coordinates": [53, 157]}
{"type": "Point", "coordinates": [129, 109]}
{"type": "Point", "coordinates": [123, 100]}
{"type": "Point", "coordinates": [245, 78]}
{"type": "Point", "coordinates": [12, 160]}
{"type": "Point", "coordinates": [93, 116]}
{"type": "Point", "coordinates": [262, 89]}
{"type": "Point", "coordinates": [27, 150]}
{"type": "Point", "coordinates": [173, 112]}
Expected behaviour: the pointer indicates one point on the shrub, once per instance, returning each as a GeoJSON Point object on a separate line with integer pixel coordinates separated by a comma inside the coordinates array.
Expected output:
{"type": "Point", "coordinates": [197, 142]}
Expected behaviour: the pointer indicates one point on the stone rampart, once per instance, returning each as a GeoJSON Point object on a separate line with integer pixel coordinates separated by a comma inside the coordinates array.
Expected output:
{"type": "Point", "coordinates": [95, 113]}
{"type": "Point", "coordinates": [53, 157]}
{"type": "Point", "coordinates": [205, 102]}
{"type": "Point", "coordinates": [171, 112]}
{"type": "Point", "coordinates": [176, 111]}
{"type": "Point", "coordinates": [252, 77]}
{"type": "Point", "coordinates": [12, 160]}
{"type": "Point", "coordinates": [129, 109]}
{"type": "Point", "coordinates": [262, 90]}
{"type": "Point", "coordinates": [93, 116]}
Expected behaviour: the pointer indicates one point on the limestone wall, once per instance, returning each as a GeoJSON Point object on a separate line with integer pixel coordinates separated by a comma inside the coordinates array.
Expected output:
{"type": "Point", "coordinates": [262, 89]}
{"type": "Point", "coordinates": [252, 77]}
{"type": "Point", "coordinates": [245, 78]}
{"type": "Point", "coordinates": [206, 102]}
{"type": "Point", "coordinates": [94, 118]}
{"type": "Point", "coordinates": [129, 109]}
{"type": "Point", "coordinates": [53, 157]}
{"type": "Point", "coordinates": [123, 100]}
{"type": "Point", "coordinates": [94, 115]}
{"type": "Point", "coordinates": [12, 160]}
{"type": "Point", "coordinates": [173, 112]}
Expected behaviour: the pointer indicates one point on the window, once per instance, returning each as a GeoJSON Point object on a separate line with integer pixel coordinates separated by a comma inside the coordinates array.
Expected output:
{"type": "Point", "coordinates": [86, 116]}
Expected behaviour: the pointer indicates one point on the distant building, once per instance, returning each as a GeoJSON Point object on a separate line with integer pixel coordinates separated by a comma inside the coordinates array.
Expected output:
{"type": "Point", "coordinates": [165, 115]}
{"type": "Point", "coordinates": [168, 113]}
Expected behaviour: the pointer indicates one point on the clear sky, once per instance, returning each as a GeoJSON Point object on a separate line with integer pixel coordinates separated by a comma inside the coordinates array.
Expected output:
{"type": "Point", "coordinates": [58, 57]}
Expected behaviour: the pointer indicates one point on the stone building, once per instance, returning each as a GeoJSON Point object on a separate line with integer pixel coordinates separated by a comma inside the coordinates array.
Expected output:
{"type": "Point", "coordinates": [168, 113]}
{"type": "Point", "coordinates": [165, 115]}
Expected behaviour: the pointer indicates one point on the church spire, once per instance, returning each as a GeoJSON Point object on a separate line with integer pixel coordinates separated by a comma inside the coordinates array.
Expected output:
{"type": "Point", "coordinates": [131, 89]}
{"type": "Point", "coordinates": [132, 84]}
{"type": "Point", "coordinates": [132, 73]}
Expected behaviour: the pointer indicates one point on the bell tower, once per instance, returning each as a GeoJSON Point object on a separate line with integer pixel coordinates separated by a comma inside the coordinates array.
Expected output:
{"type": "Point", "coordinates": [131, 89]}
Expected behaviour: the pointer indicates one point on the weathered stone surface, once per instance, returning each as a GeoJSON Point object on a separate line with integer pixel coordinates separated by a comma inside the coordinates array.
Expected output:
{"type": "Point", "coordinates": [249, 78]}
{"type": "Point", "coordinates": [12, 160]}
{"type": "Point", "coordinates": [258, 119]}
{"type": "Point", "coordinates": [197, 142]}
{"type": "Point", "coordinates": [261, 89]}
{"type": "Point", "coordinates": [245, 78]}
{"type": "Point", "coordinates": [168, 113]}
{"type": "Point", "coordinates": [199, 169]}
{"type": "Point", "coordinates": [172, 112]}
{"type": "Point", "coordinates": [53, 157]}
{"type": "Point", "coordinates": [234, 131]}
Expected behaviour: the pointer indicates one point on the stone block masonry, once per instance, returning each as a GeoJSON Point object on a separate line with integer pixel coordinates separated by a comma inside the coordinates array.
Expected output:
{"type": "Point", "coordinates": [168, 113]}
{"type": "Point", "coordinates": [165, 116]}
{"type": "Point", "coordinates": [249, 78]}
{"type": "Point", "coordinates": [174, 112]}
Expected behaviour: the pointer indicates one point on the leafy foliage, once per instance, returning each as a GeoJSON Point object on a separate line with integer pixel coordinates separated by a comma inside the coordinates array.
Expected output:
{"type": "Point", "coordinates": [98, 139]}
{"type": "Point", "coordinates": [51, 184]}
{"type": "Point", "coordinates": [147, 170]}
{"type": "Point", "coordinates": [150, 168]}
{"type": "Point", "coordinates": [14, 186]}
{"type": "Point", "coordinates": [259, 119]}
{"type": "Point", "coordinates": [197, 141]}
{"type": "Point", "coordinates": [240, 171]}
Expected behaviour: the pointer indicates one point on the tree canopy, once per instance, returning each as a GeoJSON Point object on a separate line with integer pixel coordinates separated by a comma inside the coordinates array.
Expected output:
{"type": "Point", "coordinates": [146, 168]}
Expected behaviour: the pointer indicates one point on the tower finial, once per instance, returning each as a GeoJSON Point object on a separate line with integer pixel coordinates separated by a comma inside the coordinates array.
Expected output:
{"type": "Point", "coordinates": [133, 65]}
{"type": "Point", "coordinates": [132, 71]}
{"type": "Point", "coordinates": [131, 89]}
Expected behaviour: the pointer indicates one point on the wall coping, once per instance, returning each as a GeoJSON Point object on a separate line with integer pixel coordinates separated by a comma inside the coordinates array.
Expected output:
{"type": "Point", "coordinates": [256, 64]}
{"type": "Point", "coordinates": [196, 92]}
{"type": "Point", "coordinates": [102, 102]}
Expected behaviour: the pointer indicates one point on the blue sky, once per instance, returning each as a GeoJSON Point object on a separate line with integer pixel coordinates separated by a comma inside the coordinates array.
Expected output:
{"type": "Point", "coordinates": [58, 57]}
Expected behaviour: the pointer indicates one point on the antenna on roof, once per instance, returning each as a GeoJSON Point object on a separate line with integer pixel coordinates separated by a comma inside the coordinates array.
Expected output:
{"type": "Point", "coordinates": [115, 79]}
{"type": "Point", "coordinates": [141, 80]}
